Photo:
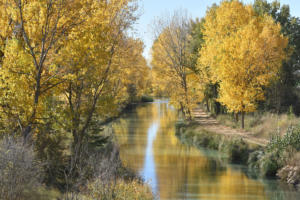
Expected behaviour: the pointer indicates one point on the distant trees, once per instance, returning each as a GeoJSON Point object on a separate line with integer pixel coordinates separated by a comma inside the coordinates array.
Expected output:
{"type": "Point", "coordinates": [171, 61]}
{"type": "Point", "coordinates": [231, 59]}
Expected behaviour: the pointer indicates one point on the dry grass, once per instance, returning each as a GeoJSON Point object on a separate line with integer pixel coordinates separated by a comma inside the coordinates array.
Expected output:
{"type": "Point", "coordinates": [295, 160]}
{"type": "Point", "coordinates": [118, 190]}
{"type": "Point", "coordinates": [262, 125]}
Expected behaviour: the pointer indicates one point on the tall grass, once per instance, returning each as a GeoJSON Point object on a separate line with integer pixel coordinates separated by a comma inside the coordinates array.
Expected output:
{"type": "Point", "coordinates": [262, 125]}
{"type": "Point", "coordinates": [118, 190]}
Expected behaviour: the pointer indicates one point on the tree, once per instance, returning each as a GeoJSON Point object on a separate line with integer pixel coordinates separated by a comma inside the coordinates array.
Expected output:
{"type": "Point", "coordinates": [282, 93]}
{"type": "Point", "coordinates": [171, 61]}
{"type": "Point", "coordinates": [31, 33]}
{"type": "Point", "coordinates": [244, 52]}
{"type": "Point", "coordinates": [210, 90]}
{"type": "Point", "coordinates": [62, 61]}
{"type": "Point", "coordinates": [94, 60]}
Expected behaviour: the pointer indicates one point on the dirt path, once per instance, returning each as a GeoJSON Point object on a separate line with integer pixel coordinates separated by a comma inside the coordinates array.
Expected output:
{"type": "Point", "coordinates": [210, 124]}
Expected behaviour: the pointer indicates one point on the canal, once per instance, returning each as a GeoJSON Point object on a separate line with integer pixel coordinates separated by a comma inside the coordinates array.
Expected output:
{"type": "Point", "coordinates": [148, 145]}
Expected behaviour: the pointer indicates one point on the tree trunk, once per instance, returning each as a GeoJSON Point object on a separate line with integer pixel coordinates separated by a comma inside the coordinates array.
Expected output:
{"type": "Point", "coordinates": [27, 134]}
{"type": "Point", "coordinates": [207, 106]}
{"type": "Point", "coordinates": [217, 108]}
{"type": "Point", "coordinates": [243, 119]}
{"type": "Point", "coordinates": [237, 117]}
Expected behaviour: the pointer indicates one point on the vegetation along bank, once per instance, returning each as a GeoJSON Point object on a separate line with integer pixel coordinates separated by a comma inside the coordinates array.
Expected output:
{"type": "Point", "coordinates": [278, 157]}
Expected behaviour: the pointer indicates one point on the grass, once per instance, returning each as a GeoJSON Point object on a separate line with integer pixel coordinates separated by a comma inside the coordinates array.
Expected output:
{"type": "Point", "coordinates": [119, 190]}
{"type": "Point", "coordinates": [262, 125]}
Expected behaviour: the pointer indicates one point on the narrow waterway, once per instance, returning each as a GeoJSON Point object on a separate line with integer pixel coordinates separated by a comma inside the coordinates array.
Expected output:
{"type": "Point", "coordinates": [148, 145]}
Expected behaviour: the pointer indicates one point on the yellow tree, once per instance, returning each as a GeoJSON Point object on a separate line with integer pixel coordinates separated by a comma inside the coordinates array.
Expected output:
{"type": "Point", "coordinates": [134, 71]}
{"type": "Point", "coordinates": [54, 48]}
{"type": "Point", "coordinates": [91, 58]}
{"type": "Point", "coordinates": [31, 33]}
{"type": "Point", "coordinates": [171, 55]}
{"type": "Point", "coordinates": [243, 52]}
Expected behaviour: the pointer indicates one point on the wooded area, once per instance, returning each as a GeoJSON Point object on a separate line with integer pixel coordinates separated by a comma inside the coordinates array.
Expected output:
{"type": "Point", "coordinates": [237, 59]}
{"type": "Point", "coordinates": [68, 67]}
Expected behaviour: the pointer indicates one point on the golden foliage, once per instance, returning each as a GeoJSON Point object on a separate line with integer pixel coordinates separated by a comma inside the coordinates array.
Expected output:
{"type": "Point", "coordinates": [172, 72]}
{"type": "Point", "coordinates": [243, 53]}
{"type": "Point", "coordinates": [75, 54]}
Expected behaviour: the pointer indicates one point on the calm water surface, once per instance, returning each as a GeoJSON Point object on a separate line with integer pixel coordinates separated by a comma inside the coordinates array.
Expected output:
{"type": "Point", "coordinates": [149, 146]}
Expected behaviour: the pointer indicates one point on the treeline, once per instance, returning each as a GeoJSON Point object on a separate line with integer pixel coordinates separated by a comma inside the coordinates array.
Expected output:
{"type": "Point", "coordinates": [65, 68]}
{"type": "Point", "coordinates": [237, 59]}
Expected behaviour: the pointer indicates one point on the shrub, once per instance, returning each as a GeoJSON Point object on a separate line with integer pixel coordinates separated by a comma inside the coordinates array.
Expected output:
{"type": "Point", "coordinates": [254, 158]}
{"type": "Point", "coordinates": [52, 150]}
{"type": "Point", "coordinates": [290, 139]}
{"type": "Point", "coordinates": [236, 149]}
{"type": "Point", "coordinates": [19, 171]}
{"type": "Point", "coordinates": [279, 152]}
{"type": "Point", "coordinates": [269, 164]}
{"type": "Point", "coordinates": [290, 174]}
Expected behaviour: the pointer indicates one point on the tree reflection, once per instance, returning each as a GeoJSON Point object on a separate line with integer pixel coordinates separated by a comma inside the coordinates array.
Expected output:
{"type": "Point", "coordinates": [148, 145]}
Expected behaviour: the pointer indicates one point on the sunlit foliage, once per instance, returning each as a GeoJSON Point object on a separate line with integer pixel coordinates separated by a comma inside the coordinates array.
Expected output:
{"type": "Point", "coordinates": [171, 61]}
{"type": "Point", "coordinates": [243, 52]}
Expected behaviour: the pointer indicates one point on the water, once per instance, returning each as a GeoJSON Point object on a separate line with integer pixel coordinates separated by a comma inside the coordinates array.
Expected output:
{"type": "Point", "coordinates": [148, 145]}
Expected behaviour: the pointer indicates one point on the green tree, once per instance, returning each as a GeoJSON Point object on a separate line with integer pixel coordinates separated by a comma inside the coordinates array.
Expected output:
{"type": "Point", "coordinates": [282, 94]}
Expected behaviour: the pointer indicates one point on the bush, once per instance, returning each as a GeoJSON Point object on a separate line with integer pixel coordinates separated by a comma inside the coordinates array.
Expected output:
{"type": "Point", "coordinates": [279, 152]}
{"type": "Point", "coordinates": [270, 164]}
{"type": "Point", "coordinates": [290, 174]}
{"type": "Point", "coordinates": [290, 139]}
{"type": "Point", "coordinates": [236, 150]}
{"type": "Point", "coordinates": [117, 190]}
{"type": "Point", "coordinates": [87, 164]}
{"type": "Point", "coordinates": [146, 99]}
{"type": "Point", "coordinates": [52, 150]}
{"type": "Point", "coordinates": [254, 158]}
{"type": "Point", "coordinates": [19, 171]}
{"type": "Point", "coordinates": [93, 172]}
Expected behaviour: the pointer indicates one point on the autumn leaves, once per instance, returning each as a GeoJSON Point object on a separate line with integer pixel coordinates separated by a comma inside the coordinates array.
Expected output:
{"type": "Point", "coordinates": [67, 63]}
{"type": "Point", "coordinates": [242, 53]}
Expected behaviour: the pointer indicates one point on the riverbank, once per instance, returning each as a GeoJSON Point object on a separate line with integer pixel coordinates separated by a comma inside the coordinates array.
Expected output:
{"type": "Point", "coordinates": [94, 172]}
{"type": "Point", "coordinates": [278, 157]}
{"type": "Point", "coordinates": [235, 148]}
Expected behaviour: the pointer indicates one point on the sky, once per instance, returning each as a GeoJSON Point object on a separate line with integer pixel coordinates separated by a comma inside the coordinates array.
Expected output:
{"type": "Point", "coordinates": [151, 9]}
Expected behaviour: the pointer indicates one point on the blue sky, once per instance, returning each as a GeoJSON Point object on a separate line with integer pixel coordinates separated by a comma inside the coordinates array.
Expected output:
{"type": "Point", "coordinates": [196, 8]}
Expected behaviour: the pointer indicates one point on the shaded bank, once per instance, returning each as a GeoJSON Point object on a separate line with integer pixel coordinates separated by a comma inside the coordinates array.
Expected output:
{"type": "Point", "coordinates": [278, 158]}
{"type": "Point", "coordinates": [234, 147]}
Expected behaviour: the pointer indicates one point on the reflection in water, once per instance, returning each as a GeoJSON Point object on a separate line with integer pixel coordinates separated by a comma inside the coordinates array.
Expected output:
{"type": "Point", "coordinates": [148, 172]}
{"type": "Point", "coordinates": [148, 145]}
